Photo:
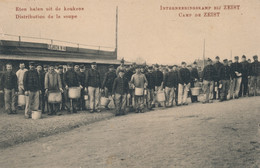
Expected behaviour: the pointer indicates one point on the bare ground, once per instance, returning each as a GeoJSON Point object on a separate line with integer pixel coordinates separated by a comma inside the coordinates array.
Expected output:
{"type": "Point", "coordinates": [218, 135]}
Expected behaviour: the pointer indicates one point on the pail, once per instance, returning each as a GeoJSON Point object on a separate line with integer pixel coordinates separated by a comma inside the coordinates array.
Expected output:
{"type": "Point", "coordinates": [104, 101]}
{"type": "Point", "coordinates": [54, 97]}
{"type": "Point", "coordinates": [74, 92]}
{"type": "Point", "coordinates": [21, 100]}
{"type": "Point", "coordinates": [86, 97]}
{"type": "Point", "coordinates": [195, 91]}
{"type": "Point", "coordinates": [36, 115]}
{"type": "Point", "coordinates": [139, 91]}
{"type": "Point", "coordinates": [160, 96]}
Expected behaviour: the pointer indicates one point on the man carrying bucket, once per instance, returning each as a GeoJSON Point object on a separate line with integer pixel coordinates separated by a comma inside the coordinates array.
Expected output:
{"type": "Point", "coordinates": [170, 83]}
{"type": "Point", "coordinates": [20, 75]}
{"type": "Point", "coordinates": [9, 86]}
{"type": "Point", "coordinates": [71, 80]}
{"type": "Point", "coordinates": [184, 84]}
{"type": "Point", "coordinates": [194, 78]}
{"type": "Point", "coordinates": [209, 74]}
{"type": "Point", "coordinates": [52, 84]}
{"type": "Point", "coordinates": [150, 87]}
{"type": "Point", "coordinates": [158, 82]}
{"type": "Point", "coordinates": [139, 82]}
{"type": "Point", "coordinates": [120, 90]}
{"type": "Point", "coordinates": [108, 81]}
{"type": "Point", "coordinates": [32, 89]}
{"type": "Point", "coordinates": [224, 75]}
{"type": "Point", "coordinates": [93, 85]}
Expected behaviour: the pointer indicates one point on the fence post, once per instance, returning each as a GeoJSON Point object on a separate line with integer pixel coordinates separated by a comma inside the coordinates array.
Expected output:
{"type": "Point", "coordinates": [78, 47]}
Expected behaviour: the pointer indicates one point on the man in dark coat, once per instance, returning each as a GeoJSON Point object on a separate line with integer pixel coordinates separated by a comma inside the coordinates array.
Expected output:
{"type": "Point", "coordinates": [245, 72]}
{"type": "Point", "coordinates": [93, 85]}
{"type": "Point", "coordinates": [9, 85]}
{"type": "Point", "coordinates": [194, 79]}
{"type": "Point", "coordinates": [255, 77]}
{"type": "Point", "coordinates": [71, 79]}
{"type": "Point", "coordinates": [32, 89]}
{"type": "Point", "coordinates": [158, 82]}
{"type": "Point", "coordinates": [236, 74]}
{"type": "Point", "coordinates": [170, 83]}
{"type": "Point", "coordinates": [184, 84]}
{"type": "Point", "coordinates": [208, 76]}
{"type": "Point", "coordinates": [217, 66]}
{"type": "Point", "coordinates": [224, 75]}
{"type": "Point", "coordinates": [120, 90]}
{"type": "Point", "coordinates": [108, 81]}
{"type": "Point", "coordinates": [42, 91]}
{"type": "Point", "coordinates": [150, 87]}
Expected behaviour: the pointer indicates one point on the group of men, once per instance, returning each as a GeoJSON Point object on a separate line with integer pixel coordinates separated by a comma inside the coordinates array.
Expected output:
{"type": "Point", "coordinates": [129, 87]}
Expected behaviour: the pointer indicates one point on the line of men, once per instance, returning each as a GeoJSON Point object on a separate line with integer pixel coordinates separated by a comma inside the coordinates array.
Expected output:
{"type": "Point", "coordinates": [221, 81]}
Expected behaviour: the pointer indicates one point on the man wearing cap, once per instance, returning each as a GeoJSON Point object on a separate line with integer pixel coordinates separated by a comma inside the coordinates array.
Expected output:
{"type": "Point", "coordinates": [128, 75]}
{"type": "Point", "coordinates": [183, 84]}
{"type": "Point", "coordinates": [108, 81]}
{"type": "Point", "coordinates": [71, 79]}
{"type": "Point", "coordinates": [236, 74]}
{"type": "Point", "coordinates": [20, 75]}
{"type": "Point", "coordinates": [41, 76]}
{"type": "Point", "coordinates": [121, 67]}
{"type": "Point", "coordinates": [170, 82]}
{"type": "Point", "coordinates": [64, 99]}
{"type": "Point", "coordinates": [8, 84]}
{"type": "Point", "coordinates": [230, 91]}
{"type": "Point", "coordinates": [139, 82]}
{"type": "Point", "coordinates": [217, 65]}
{"type": "Point", "coordinates": [158, 82]}
{"type": "Point", "coordinates": [150, 87]}
{"type": "Point", "coordinates": [224, 75]}
{"type": "Point", "coordinates": [52, 83]}
{"type": "Point", "coordinates": [32, 89]}
{"type": "Point", "coordinates": [93, 85]}
{"type": "Point", "coordinates": [194, 78]}
{"type": "Point", "coordinates": [208, 76]}
{"type": "Point", "coordinates": [245, 72]}
{"type": "Point", "coordinates": [255, 77]}
{"type": "Point", "coordinates": [80, 70]}
{"type": "Point", "coordinates": [120, 90]}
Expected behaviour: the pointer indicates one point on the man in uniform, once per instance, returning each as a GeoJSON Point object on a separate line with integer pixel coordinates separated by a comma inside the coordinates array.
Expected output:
{"type": "Point", "coordinates": [32, 89]}
{"type": "Point", "coordinates": [209, 74]}
{"type": "Point", "coordinates": [9, 86]}
{"type": "Point", "coordinates": [170, 83]}
{"type": "Point", "coordinates": [194, 78]}
{"type": "Point", "coordinates": [183, 84]}
{"type": "Point", "coordinates": [150, 87]}
{"type": "Point", "coordinates": [93, 85]}
{"type": "Point", "coordinates": [245, 72]}
{"type": "Point", "coordinates": [255, 77]}
{"type": "Point", "coordinates": [224, 75]}
{"type": "Point", "coordinates": [217, 66]}
{"type": "Point", "coordinates": [236, 74]}
{"type": "Point", "coordinates": [108, 81]}
{"type": "Point", "coordinates": [158, 82]}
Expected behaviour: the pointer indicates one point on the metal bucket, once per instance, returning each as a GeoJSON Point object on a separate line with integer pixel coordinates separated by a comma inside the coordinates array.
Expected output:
{"type": "Point", "coordinates": [104, 101]}
{"type": "Point", "coordinates": [139, 91]}
{"type": "Point", "coordinates": [21, 100]}
{"type": "Point", "coordinates": [195, 91]}
{"type": "Point", "coordinates": [74, 92]}
{"type": "Point", "coordinates": [160, 96]}
{"type": "Point", "coordinates": [54, 97]}
{"type": "Point", "coordinates": [36, 115]}
{"type": "Point", "coordinates": [86, 97]}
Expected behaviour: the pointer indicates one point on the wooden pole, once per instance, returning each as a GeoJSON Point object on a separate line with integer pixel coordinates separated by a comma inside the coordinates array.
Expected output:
{"type": "Point", "coordinates": [204, 54]}
{"type": "Point", "coordinates": [116, 30]}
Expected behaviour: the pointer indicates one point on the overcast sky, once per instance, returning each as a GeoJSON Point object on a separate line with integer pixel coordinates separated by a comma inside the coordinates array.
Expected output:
{"type": "Point", "coordinates": [144, 30]}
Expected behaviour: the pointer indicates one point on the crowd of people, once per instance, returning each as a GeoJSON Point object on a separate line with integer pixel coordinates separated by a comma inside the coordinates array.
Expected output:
{"type": "Point", "coordinates": [137, 87]}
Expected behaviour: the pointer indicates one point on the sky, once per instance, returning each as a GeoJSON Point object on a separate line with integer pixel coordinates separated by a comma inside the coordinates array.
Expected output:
{"type": "Point", "coordinates": [145, 32]}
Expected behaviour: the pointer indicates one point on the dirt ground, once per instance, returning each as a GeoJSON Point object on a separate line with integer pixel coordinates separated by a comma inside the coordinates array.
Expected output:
{"type": "Point", "coordinates": [218, 135]}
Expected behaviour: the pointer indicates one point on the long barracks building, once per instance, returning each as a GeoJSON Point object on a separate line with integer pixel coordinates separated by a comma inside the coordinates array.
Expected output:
{"type": "Point", "coordinates": [16, 51]}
